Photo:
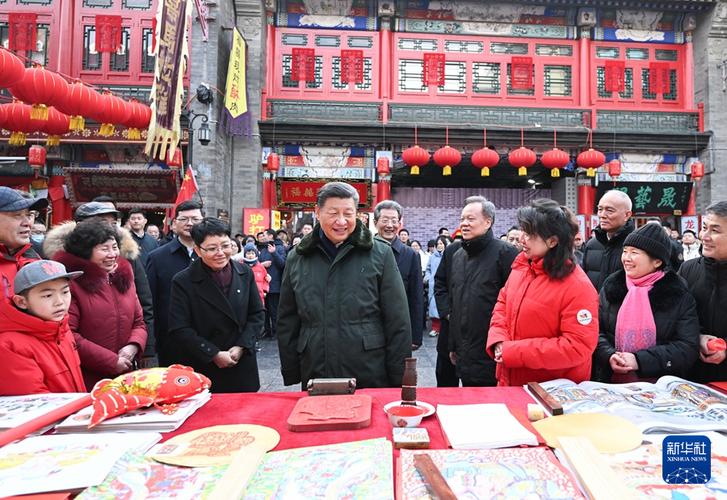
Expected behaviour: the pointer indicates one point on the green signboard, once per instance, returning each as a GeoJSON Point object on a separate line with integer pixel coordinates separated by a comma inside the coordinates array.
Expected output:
{"type": "Point", "coordinates": [652, 197]}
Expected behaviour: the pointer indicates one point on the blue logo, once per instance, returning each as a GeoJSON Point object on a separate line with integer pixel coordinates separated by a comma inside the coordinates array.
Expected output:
{"type": "Point", "coordinates": [686, 459]}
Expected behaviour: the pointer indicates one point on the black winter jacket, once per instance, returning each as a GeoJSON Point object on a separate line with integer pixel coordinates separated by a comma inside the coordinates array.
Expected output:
{"type": "Point", "coordinates": [479, 270]}
{"type": "Point", "coordinates": [707, 280]}
{"type": "Point", "coordinates": [602, 256]}
{"type": "Point", "coordinates": [677, 328]}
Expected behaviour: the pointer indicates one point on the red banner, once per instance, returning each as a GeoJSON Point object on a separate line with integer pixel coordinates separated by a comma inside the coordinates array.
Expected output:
{"type": "Point", "coordinates": [615, 76]}
{"type": "Point", "coordinates": [521, 73]}
{"type": "Point", "coordinates": [659, 81]}
{"type": "Point", "coordinates": [23, 31]}
{"type": "Point", "coordinates": [255, 220]}
{"type": "Point", "coordinates": [352, 66]}
{"type": "Point", "coordinates": [303, 193]}
{"type": "Point", "coordinates": [303, 67]}
{"type": "Point", "coordinates": [433, 69]}
{"type": "Point", "coordinates": [108, 33]}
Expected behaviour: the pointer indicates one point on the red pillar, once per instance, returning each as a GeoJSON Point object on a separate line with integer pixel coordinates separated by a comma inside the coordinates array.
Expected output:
{"type": "Point", "coordinates": [266, 190]}
{"type": "Point", "coordinates": [692, 206]}
{"type": "Point", "coordinates": [586, 199]}
{"type": "Point", "coordinates": [60, 205]}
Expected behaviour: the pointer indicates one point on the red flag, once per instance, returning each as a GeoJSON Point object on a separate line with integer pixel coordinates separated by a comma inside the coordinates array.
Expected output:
{"type": "Point", "coordinates": [23, 31]}
{"type": "Point", "coordinates": [521, 73]}
{"type": "Point", "coordinates": [659, 81]}
{"type": "Point", "coordinates": [352, 66]}
{"type": "Point", "coordinates": [303, 67]}
{"type": "Point", "coordinates": [188, 189]}
{"type": "Point", "coordinates": [615, 76]}
{"type": "Point", "coordinates": [108, 33]}
{"type": "Point", "coordinates": [433, 69]}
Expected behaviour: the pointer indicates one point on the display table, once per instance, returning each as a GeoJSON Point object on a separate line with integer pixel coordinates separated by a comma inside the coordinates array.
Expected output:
{"type": "Point", "coordinates": [273, 409]}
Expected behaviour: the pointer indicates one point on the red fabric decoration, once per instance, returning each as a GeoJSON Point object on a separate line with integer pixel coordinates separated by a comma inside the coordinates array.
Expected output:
{"type": "Point", "coordinates": [415, 157]}
{"type": "Point", "coordinates": [614, 168]}
{"type": "Point", "coordinates": [521, 73]}
{"type": "Point", "coordinates": [42, 88]}
{"type": "Point", "coordinates": [659, 81]}
{"type": "Point", "coordinates": [522, 158]}
{"type": "Point", "coordinates": [23, 31]}
{"type": "Point", "coordinates": [55, 126]}
{"type": "Point", "coordinates": [555, 159]}
{"type": "Point", "coordinates": [615, 76]}
{"type": "Point", "coordinates": [108, 33]}
{"type": "Point", "coordinates": [352, 66]}
{"type": "Point", "coordinates": [433, 69]}
{"type": "Point", "coordinates": [79, 100]}
{"type": "Point", "coordinates": [154, 35]}
{"type": "Point", "coordinates": [273, 164]}
{"type": "Point", "coordinates": [697, 170]}
{"type": "Point", "coordinates": [484, 159]}
{"type": "Point", "coordinates": [303, 68]}
{"type": "Point", "coordinates": [447, 157]}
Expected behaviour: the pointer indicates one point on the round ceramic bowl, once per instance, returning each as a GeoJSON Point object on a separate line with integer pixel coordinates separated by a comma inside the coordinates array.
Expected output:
{"type": "Point", "coordinates": [404, 415]}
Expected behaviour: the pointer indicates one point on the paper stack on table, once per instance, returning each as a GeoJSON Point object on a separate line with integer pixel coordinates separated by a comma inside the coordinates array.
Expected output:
{"type": "Point", "coordinates": [482, 426]}
{"type": "Point", "coordinates": [17, 410]}
{"type": "Point", "coordinates": [65, 462]}
{"type": "Point", "coordinates": [143, 419]}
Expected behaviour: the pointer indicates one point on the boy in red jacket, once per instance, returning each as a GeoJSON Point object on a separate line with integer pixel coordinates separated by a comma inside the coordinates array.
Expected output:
{"type": "Point", "coordinates": [36, 345]}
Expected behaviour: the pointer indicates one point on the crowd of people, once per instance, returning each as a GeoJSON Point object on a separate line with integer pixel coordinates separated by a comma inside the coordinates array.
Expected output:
{"type": "Point", "coordinates": [90, 299]}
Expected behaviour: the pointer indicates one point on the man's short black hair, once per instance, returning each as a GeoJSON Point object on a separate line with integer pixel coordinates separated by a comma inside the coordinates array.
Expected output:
{"type": "Point", "coordinates": [104, 199]}
{"type": "Point", "coordinates": [210, 226]}
{"type": "Point", "coordinates": [187, 205]}
{"type": "Point", "coordinates": [404, 230]}
{"type": "Point", "coordinates": [257, 236]}
{"type": "Point", "coordinates": [271, 232]}
{"type": "Point", "coordinates": [442, 229]}
{"type": "Point", "coordinates": [137, 211]}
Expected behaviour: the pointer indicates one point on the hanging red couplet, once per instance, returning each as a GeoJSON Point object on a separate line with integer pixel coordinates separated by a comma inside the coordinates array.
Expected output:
{"type": "Point", "coordinates": [23, 31]}
{"type": "Point", "coordinates": [303, 67]}
{"type": "Point", "coordinates": [352, 65]}
{"type": "Point", "coordinates": [433, 69]}
{"type": "Point", "coordinates": [108, 33]}
{"type": "Point", "coordinates": [521, 73]}
{"type": "Point", "coordinates": [659, 81]}
{"type": "Point", "coordinates": [615, 76]}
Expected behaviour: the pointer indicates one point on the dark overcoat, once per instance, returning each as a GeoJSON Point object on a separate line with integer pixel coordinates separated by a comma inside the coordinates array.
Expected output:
{"type": "Point", "coordinates": [203, 321]}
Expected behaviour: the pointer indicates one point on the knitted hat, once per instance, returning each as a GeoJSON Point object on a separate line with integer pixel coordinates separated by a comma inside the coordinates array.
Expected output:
{"type": "Point", "coordinates": [652, 239]}
{"type": "Point", "coordinates": [250, 247]}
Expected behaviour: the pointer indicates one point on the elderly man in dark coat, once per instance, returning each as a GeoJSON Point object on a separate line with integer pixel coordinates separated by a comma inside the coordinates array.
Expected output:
{"type": "Point", "coordinates": [343, 310]}
{"type": "Point", "coordinates": [388, 220]}
{"type": "Point", "coordinates": [216, 312]}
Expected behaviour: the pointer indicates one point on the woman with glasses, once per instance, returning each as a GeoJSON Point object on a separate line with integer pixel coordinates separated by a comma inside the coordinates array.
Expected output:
{"type": "Point", "coordinates": [216, 313]}
{"type": "Point", "coordinates": [545, 323]}
{"type": "Point", "coordinates": [105, 314]}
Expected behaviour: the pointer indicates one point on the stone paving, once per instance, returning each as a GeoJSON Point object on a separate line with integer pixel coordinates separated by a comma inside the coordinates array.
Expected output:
{"type": "Point", "coordinates": [272, 381]}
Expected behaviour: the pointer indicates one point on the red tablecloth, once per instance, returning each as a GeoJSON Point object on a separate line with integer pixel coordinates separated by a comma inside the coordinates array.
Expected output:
{"type": "Point", "coordinates": [272, 410]}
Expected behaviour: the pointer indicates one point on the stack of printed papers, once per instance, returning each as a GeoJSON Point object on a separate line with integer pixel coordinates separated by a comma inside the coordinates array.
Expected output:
{"type": "Point", "coordinates": [18, 410]}
{"type": "Point", "coordinates": [469, 427]}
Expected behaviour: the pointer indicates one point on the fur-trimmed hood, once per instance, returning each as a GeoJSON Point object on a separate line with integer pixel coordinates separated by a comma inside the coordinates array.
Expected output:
{"type": "Point", "coordinates": [665, 295]}
{"type": "Point", "coordinates": [94, 277]}
{"type": "Point", "coordinates": [360, 238]}
{"type": "Point", "coordinates": [55, 239]}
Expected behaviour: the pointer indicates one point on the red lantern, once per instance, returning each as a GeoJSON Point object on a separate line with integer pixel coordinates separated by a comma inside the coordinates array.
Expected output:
{"type": "Point", "coordinates": [415, 157]}
{"type": "Point", "coordinates": [591, 159]}
{"type": "Point", "coordinates": [56, 126]}
{"type": "Point", "coordinates": [485, 159]}
{"type": "Point", "coordinates": [522, 158]}
{"type": "Point", "coordinates": [697, 170]}
{"type": "Point", "coordinates": [382, 166]}
{"type": "Point", "coordinates": [614, 168]}
{"type": "Point", "coordinates": [273, 164]}
{"type": "Point", "coordinates": [112, 110]}
{"type": "Point", "coordinates": [79, 100]}
{"type": "Point", "coordinates": [447, 157]}
{"type": "Point", "coordinates": [42, 88]}
{"type": "Point", "coordinates": [12, 69]}
{"type": "Point", "coordinates": [19, 122]}
{"type": "Point", "coordinates": [555, 159]}
{"type": "Point", "coordinates": [139, 117]}
{"type": "Point", "coordinates": [36, 158]}
{"type": "Point", "coordinates": [174, 161]}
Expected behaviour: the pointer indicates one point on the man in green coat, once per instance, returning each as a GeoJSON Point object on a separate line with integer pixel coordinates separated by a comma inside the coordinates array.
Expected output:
{"type": "Point", "coordinates": [343, 309]}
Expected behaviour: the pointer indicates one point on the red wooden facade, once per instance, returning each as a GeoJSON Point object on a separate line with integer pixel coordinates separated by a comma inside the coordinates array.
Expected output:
{"type": "Point", "coordinates": [566, 73]}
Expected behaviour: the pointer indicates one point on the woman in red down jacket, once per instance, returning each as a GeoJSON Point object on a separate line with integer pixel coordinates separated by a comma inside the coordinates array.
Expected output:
{"type": "Point", "coordinates": [105, 315]}
{"type": "Point", "coordinates": [545, 323]}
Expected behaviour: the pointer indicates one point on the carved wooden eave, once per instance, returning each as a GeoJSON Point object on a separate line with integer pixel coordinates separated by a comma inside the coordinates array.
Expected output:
{"type": "Point", "coordinates": [718, 28]}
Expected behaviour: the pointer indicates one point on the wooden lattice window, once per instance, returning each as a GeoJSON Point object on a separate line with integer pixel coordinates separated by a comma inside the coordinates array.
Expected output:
{"type": "Point", "coordinates": [410, 75]}
{"type": "Point", "coordinates": [91, 58]}
{"type": "Point", "coordinates": [40, 54]}
{"type": "Point", "coordinates": [336, 76]}
{"type": "Point", "coordinates": [628, 92]}
{"type": "Point", "coordinates": [148, 61]}
{"type": "Point", "coordinates": [486, 78]}
{"type": "Point", "coordinates": [120, 59]}
{"type": "Point", "coordinates": [455, 78]}
{"type": "Point", "coordinates": [290, 83]}
{"type": "Point", "coordinates": [645, 78]}
{"type": "Point", "coordinates": [557, 81]}
{"type": "Point", "coordinates": [512, 91]}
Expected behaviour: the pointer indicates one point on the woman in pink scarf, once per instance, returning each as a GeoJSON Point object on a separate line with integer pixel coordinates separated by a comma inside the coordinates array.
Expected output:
{"type": "Point", "coordinates": [648, 324]}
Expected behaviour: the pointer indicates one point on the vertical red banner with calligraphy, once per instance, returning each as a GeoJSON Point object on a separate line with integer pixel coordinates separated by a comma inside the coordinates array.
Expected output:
{"type": "Point", "coordinates": [303, 66]}
{"type": "Point", "coordinates": [521, 73]}
{"type": "Point", "coordinates": [659, 81]}
{"type": "Point", "coordinates": [22, 31]}
{"type": "Point", "coordinates": [108, 33]}
{"type": "Point", "coordinates": [352, 66]}
{"type": "Point", "coordinates": [615, 76]}
{"type": "Point", "coordinates": [433, 73]}
{"type": "Point", "coordinates": [255, 220]}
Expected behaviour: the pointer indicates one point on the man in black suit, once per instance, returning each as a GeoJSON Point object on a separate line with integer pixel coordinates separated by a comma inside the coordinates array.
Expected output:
{"type": "Point", "coordinates": [161, 266]}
